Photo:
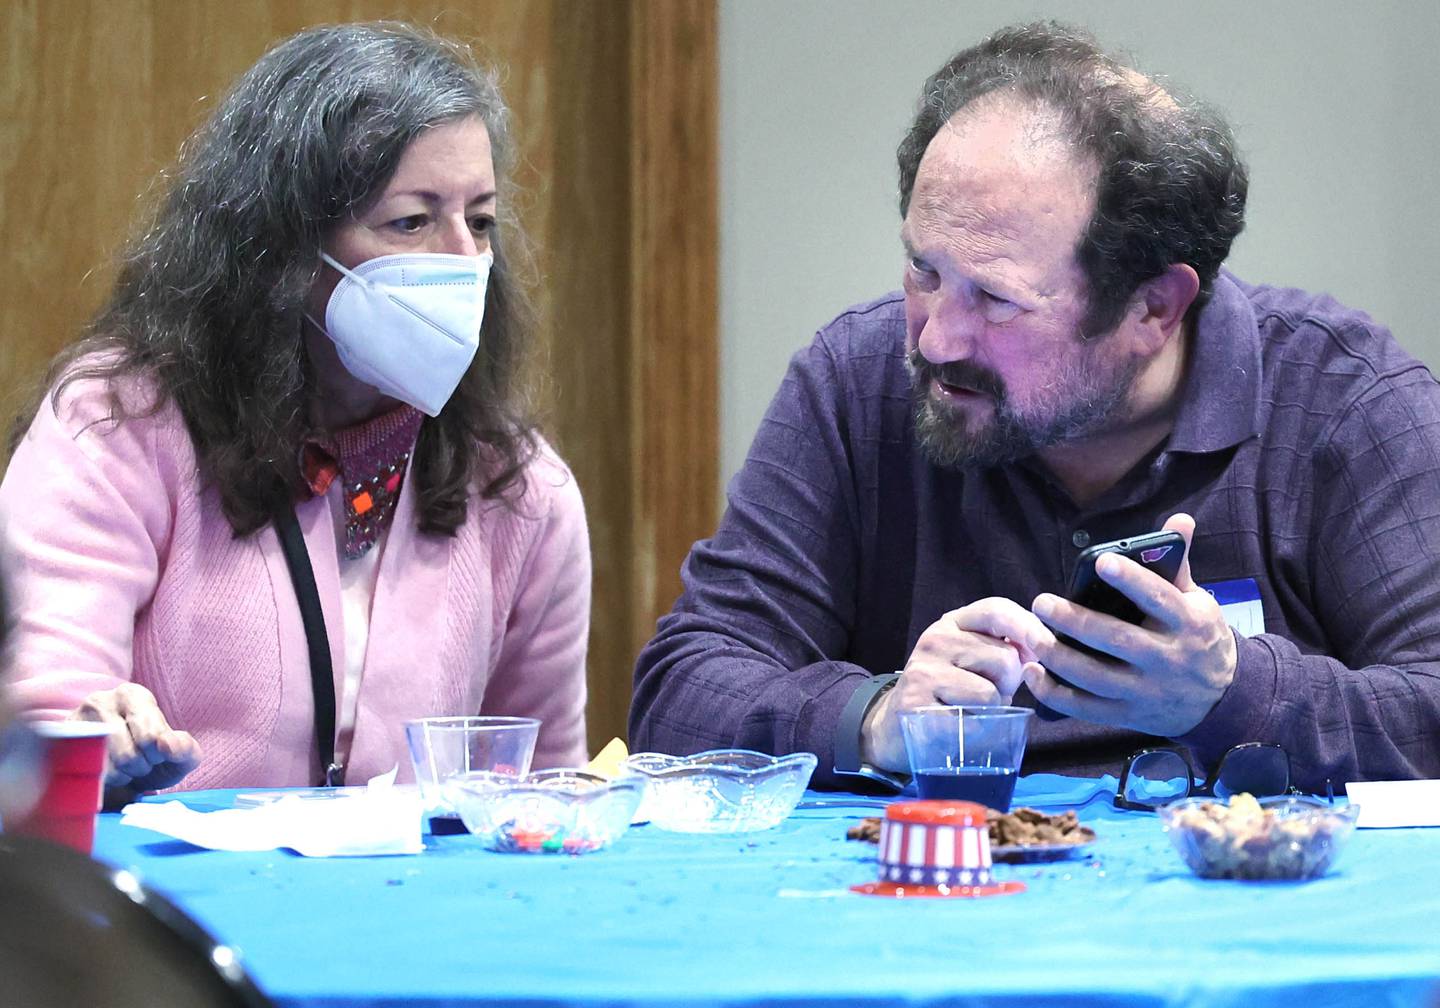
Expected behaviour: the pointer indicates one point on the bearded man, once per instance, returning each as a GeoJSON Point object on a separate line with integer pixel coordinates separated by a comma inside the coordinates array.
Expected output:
{"type": "Point", "coordinates": [1068, 364]}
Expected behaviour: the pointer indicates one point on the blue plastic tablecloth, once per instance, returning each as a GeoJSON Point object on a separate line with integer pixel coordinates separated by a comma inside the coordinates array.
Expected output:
{"type": "Point", "coordinates": [768, 919]}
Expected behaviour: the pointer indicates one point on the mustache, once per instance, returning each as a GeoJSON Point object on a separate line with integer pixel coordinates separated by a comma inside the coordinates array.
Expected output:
{"type": "Point", "coordinates": [961, 374]}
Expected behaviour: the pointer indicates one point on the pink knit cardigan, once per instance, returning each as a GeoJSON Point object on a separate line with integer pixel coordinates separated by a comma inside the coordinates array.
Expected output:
{"type": "Point", "coordinates": [121, 566]}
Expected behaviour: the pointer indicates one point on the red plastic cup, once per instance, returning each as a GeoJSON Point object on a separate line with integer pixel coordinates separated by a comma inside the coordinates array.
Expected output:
{"type": "Point", "coordinates": [74, 771]}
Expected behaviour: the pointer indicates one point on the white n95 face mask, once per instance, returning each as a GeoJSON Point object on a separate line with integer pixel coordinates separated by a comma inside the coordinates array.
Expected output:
{"type": "Point", "coordinates": [409, 324]}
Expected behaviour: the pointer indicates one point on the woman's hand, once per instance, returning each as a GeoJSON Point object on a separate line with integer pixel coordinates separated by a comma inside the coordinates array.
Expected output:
{"type": "Point", "coordinates": [145, 754]}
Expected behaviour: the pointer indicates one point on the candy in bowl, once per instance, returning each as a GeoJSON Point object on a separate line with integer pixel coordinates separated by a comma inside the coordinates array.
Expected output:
{"type": "Point", "coordinates": [549, 811]}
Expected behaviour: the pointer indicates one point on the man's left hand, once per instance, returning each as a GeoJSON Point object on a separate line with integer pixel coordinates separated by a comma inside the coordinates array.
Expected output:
{"type": "Point", "coordinates": [1165, 675]}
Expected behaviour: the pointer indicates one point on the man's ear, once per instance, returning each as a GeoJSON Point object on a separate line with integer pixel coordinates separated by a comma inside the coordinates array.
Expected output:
{"type": "Point", "coordinates": [1161, 303]}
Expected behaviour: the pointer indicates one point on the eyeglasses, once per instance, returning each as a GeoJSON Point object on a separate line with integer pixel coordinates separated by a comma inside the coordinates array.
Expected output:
{"type": "Point", "coordinates": [1155, 777]}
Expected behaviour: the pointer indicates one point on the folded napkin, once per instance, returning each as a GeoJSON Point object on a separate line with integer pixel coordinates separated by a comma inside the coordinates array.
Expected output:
{"type": "Point", "coordinates": [1387, 804]}
{"type": "Point", "coordinates": [607, 761]}
{"type": "Point", "coordinates": [377, 819]}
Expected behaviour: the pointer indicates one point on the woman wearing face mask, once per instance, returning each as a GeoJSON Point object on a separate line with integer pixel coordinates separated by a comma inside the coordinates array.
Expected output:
{"type": "Point", "coordinates": [309, 368]}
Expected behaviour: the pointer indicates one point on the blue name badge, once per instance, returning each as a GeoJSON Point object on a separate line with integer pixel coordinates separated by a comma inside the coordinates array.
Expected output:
{"type": "Point", "coordinates": [1240, 604]}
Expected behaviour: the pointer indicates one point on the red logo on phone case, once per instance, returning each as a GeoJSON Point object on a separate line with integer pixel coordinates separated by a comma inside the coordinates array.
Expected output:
{"type": "Point", "coordinates": [1154, 554]}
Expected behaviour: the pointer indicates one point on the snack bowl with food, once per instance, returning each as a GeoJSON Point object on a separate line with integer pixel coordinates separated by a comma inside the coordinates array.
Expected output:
{"type": "Point", "coordinates": [1021, 835]}
{"type": "Point", "coordinates": [549, 811]}
{"type": "Point", "coordinates": [1286, 837]}
{"type": "Point", "coordinates": [1027, 834]}
{"type": "Point", "coordinates": [719, 791]}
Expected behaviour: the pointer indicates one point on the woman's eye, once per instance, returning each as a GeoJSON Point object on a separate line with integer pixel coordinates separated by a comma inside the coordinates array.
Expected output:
{"type": "Point", "coordinates": [482, 224]}
{"type": "Point", "coordinates": [410, 224]}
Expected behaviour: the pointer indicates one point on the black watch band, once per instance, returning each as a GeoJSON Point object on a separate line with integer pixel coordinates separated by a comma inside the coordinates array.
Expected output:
{"type": "Point", "coordinates": [848, 729]}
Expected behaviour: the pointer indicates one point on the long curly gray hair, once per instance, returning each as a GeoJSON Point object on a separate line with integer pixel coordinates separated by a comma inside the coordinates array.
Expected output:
{"type": "Point", "coordinates": [210, 294]}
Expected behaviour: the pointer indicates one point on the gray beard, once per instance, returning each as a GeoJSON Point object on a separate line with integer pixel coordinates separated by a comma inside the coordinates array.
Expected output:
{"type": "Point", "coordinates": [1079, 401]}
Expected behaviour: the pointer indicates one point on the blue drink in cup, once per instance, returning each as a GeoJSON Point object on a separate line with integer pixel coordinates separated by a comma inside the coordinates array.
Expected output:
{"type": "Point", "coordinates": [966, 753]}
{"type": "Point", "coordinates": [990, 786]}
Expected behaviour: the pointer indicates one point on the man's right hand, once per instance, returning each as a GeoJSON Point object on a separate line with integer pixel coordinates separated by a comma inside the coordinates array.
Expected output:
{"type": "Point", "coordinates": [146, 754]}
{"type": "Point", "coordinates": [972, 655]}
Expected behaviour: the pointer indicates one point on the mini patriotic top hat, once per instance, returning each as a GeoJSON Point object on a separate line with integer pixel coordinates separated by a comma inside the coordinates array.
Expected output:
{"type": "Point", "coordinates": [935, 848]}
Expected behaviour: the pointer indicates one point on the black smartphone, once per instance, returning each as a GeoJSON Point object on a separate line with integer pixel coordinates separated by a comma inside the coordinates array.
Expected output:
{"type": "Point", "coordinates": [1160, 552]}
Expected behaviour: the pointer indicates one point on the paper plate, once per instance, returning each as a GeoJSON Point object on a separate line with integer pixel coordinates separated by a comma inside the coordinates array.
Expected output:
{"type": "Point", "coordinates": [1021, 853]}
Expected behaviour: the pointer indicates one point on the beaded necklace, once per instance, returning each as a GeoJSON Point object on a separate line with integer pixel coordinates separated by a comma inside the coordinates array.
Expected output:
{"type": "Point", "coordinates": [369, 459]}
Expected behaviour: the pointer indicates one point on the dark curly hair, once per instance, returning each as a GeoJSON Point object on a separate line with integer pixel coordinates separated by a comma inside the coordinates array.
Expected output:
{"type": "Point", "coordinates": [210, 294]}
{"type": "Point", "coordinates": [1171, 187]}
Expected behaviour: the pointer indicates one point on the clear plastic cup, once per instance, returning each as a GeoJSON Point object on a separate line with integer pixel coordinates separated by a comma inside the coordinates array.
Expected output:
{"type": "Point", "coordinates": [443, 746]}
{"type": "Point", "coordinates": [966, 753]}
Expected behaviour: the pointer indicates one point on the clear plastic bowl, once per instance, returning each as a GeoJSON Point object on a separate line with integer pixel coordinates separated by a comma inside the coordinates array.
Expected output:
{"type": "Point", "coordinates": [550, 811]}
{"type": "Point", "coordinates": [719, 791]}
{"type": "Point", "coordinates": [1291, 837]}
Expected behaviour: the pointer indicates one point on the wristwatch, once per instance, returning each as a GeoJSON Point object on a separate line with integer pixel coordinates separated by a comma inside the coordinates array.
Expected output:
{"type": "Point", "coordinates": [852, 722]}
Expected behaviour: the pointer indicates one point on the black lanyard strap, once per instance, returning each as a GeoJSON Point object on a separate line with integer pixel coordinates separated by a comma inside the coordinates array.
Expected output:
{"type": "Point", "coordinates": [322, 680]}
